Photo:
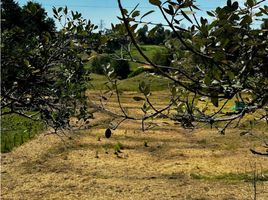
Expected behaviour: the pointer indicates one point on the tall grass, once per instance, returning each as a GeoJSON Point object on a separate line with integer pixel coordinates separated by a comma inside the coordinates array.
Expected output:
{"type": "Point", "coordinates": [15, 130]}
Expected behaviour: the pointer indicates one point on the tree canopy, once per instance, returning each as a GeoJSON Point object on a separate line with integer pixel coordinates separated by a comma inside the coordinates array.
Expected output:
{"type": "Point", "coordinates": [43, 71]}
{"type": "Point", "coordinates": [227, 56]}
{"type": "Point", "coordinates": [214, 61]}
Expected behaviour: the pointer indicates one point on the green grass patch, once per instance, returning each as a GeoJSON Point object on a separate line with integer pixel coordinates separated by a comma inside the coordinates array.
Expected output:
{"type": "Point", "coordinates": [157, 83]}
{"type": "Point", "coordinates": [231, 177]}
{"type": "Point", "coordinates": [149, 51]}
{"type": "Point", "coordinates": [15, 130]}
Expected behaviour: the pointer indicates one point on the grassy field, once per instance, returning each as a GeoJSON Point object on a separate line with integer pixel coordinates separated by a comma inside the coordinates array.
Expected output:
{"type": "Point", "coordinates": [131, 84]}
{"type": "Point", "coordinates": [15, 130]}
{"type": "Point", "coordinates": [149, 51]}
{"type": "Point", "coordinates": [166, 162]}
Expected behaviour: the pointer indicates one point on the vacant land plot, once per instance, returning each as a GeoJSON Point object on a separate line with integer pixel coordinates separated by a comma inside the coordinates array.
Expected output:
{"type": "Point", "coordinates": [165, 162]}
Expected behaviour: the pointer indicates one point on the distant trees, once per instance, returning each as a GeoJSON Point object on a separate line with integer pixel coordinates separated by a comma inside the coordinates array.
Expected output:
{"type": "Point", "coordinates": [32, 18]}
{"type": "Point", "coordinates": [142, 34]}
{"type": "Point", "coordinates": [157, 35]}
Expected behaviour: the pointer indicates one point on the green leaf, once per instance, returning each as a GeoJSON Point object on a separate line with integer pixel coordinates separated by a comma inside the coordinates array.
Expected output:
{"type": "Point", "coordinates": [138, 98]}
{"type": "Point", "coordinates": [235, 6]}
{"type": "Point", "coordinates": [132, 28]}
{"type": "Point", "coordinates": [134, 9]}
{"type": "Point", "coordinates": [125, 11]}
{"type": "Point", "coordinates": [177, 21]}
{"type": "Point", "coordinates": [195, 7]}
{"type": "Point", "coordinates": [60, 9]}
{"type": "Point", "coordinates": [149, 12]}
{"type": "Point", "coordinates": [251, 3]}
{"type": "Point", "coordinates": [55, 11]}
{"type": "Point", "coordinates": [120, 18]}
{"type": "Point", "coordinates": [145, 107]}
{"type": "Point", "coordinates": [207, 80]}
{"type": "Point", "coordinates": [155, 2]}
{"type": "Point", "coordinates": [135, 13]}
{"type": "Point", "coordinates": [215, 101]}
{"type": "Point", "coordinates": [26, 63]}
{"type": "Point", "coordinates": [203, 21]}
{"type": "Point", "coordinates": [171, 9]}
{"type": "Point", "coordinates": [210, 14]}
{"type": "Point", "coordinates": [170, 12]}
{"type": "Point", "coordinates": [246, 20]}
{"type": "Point", "coordinates": [185, 15]}
{"type": "Point", "coordinates": [229, 3]}
{"type": "Point", "coordinates": [65, 10]}
{"type": "Point", "coordinates": [231, 75]}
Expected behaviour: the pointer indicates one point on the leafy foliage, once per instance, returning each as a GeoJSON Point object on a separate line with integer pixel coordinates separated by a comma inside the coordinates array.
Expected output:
{"type": "Point", "coordinates": [121, 68]}
{"type": "Point", "coordinates": [43, 71]}
{"type": "Point", "coordinates": [219, 60]}
{"type": "Point", "coordinates": [99, 63]}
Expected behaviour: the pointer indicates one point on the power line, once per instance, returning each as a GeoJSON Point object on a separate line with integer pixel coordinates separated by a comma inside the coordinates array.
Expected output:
{"type": "Point", "coordinates": [110, 7]}
{"type": "Point", "coordinates": [107, 7]}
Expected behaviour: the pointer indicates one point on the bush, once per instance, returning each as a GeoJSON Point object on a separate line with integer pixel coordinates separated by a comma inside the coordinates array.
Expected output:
{"type": "Point", "coordinates": [161, 58]}
{"type": "Point", "coordinates": [98, 64]}
{"type": "Point", "coordinates": [121, 68]}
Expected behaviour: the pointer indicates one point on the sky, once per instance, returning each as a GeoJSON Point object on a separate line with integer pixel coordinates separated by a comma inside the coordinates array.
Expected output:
{"type": "Point", "coordinates": [107, 10]}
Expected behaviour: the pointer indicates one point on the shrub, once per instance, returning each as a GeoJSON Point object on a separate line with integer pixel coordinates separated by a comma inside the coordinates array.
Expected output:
{"type": "Point", "coordinates": [98, 64]}
{"type": "Point", "coordinates": [121, 68]}
{"type": "Point", "coordinates": [161, 58]}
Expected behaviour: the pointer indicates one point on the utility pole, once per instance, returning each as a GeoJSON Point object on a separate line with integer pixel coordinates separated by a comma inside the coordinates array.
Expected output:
{"type": "Point", "coordinates": [101, 26]}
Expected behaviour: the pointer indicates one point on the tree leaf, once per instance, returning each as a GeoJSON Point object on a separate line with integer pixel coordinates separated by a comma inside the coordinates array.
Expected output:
{"type": "Point", "coordinates": [149, 12]}
{"type": "Point", "coordinates": [251, 3]}
{"type": "Point", "coordinates": [55, 11]}
{"type": "Point", "coordinates": [132, 28]}
{"type": "Point", "coordinates": [135, 13]}
{"type": "Point", "coordinates": [195, 7]}
{"type": "Point", "coordinates": [170, 12]}
{"type": "Point", "coordinates": [65, 10]}
{"type": "Point", "coordinates": [210, 14]}
{"type": "Point", "coordinates": [203, 21]}
{"type": "Point", "coordinates": [155, 2]}
{"type": "Point", "coordinates": [246, 20]}
{"type": "Point", "coordinates": [235, 6]}
{"type": "Point", "coordinates": [177, 21]}
{"type": "Point", "coordinates": [185, 15]}
{"type": "Point", "coordinates": [229, 3]}
{"type": "Point", "coordinates": [215, 101]}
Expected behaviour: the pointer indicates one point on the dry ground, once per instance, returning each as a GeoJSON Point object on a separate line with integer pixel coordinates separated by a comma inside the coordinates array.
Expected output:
{"type": "Point", "coordinates": [166, 162]}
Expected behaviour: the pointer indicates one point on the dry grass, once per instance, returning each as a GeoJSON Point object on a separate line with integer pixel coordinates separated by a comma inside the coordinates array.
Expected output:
{"type": "Point", "coordinates": [166, 162]}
